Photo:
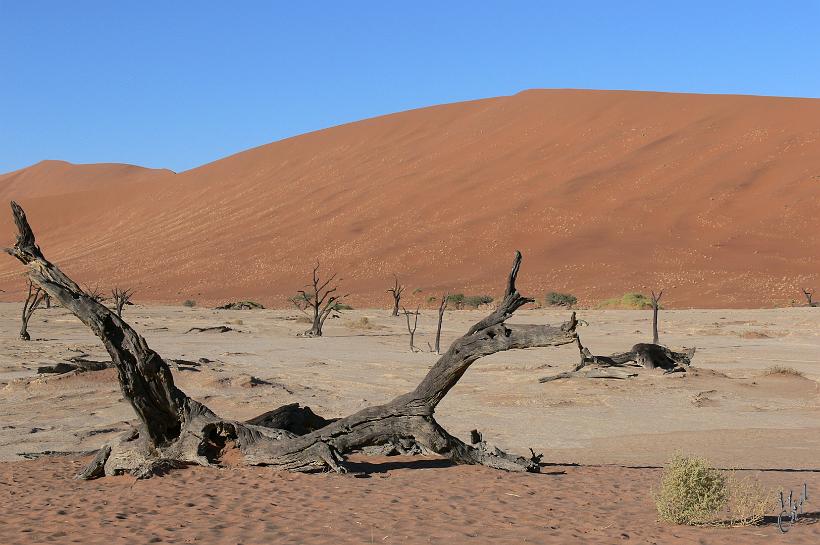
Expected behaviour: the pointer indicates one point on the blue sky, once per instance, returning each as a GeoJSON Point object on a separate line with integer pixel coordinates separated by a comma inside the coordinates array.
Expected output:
{"type": "Point", "coordinates": [177, 84]}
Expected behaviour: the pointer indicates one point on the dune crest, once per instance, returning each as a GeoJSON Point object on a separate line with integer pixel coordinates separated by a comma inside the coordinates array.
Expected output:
{"type": "Point", "coordinates": [712, 197]}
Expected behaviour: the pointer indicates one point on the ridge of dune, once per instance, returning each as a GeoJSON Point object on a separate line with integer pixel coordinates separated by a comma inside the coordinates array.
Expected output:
{"type": "Point", "coordinates": [713, 197]}
{"type": "Point", "coordinates": [51, 177]}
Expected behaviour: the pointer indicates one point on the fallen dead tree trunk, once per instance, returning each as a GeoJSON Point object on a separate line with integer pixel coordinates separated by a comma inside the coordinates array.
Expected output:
{"type": "Point", "coordinates": [79, 363]}
{"type": "Point", "coordinates": [175, 429]}
{"type": "Point", "coordinates": [646, 355]}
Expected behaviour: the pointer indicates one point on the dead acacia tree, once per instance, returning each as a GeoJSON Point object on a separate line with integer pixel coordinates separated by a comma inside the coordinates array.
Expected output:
{"type": "Point", "coordinates": [34, 300]}
{"type": "Point", "coordinates": [121, 298]}
{"type": "Point", "coordinates": [175, 429]}
{"type": "Point", "coordinates": [656, 297]}
{"type": "Point", "coordinates": [809, 293]}
{"type": "Point", "coordinates": [441, 308]}
{"type": "Point", "coordinates": [396, 292]}
{"type": "Point", "coordinates": [321, 299]}
{"type": "Point", "coordinates": [95, 293]}
{"type": "Point", "coordinates": [412, 331]}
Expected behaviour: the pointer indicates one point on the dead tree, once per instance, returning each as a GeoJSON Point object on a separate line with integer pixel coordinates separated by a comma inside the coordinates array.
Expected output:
{"type": "Point", "coordinates": [412, 331]}
{"type": "Point", "coordinates": [121, 298]}
{"type": "Point", "coordinates": [648, 356]}
{"type": "Point", "coordinates": [95, 293]}
{"type": "Point", "coordinates": [321, 300]}
{"type": "Point", "coordinates": [396, 292]}
{"type": "Point", "coordinates": [441, 308]}
{"type": "Point", "coordinates": [656, 297]}
{"type": "Point", "coordinates": [175, 429]}
{"type": "Point", "coordinates": [34, 300]}
{"type": "Point", "coordinates": [809, 293]}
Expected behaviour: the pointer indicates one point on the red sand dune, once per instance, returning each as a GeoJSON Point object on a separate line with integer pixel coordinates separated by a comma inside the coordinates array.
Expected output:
{"type": "Point", "coordinates": [714, 198]}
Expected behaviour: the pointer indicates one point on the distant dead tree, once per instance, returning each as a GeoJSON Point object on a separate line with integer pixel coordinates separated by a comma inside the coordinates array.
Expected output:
{"type": "Point", "coordinates": [95, 293]}
{"type": "Point", "coordinates": [121, 298]}
{"type": "Point", "coordinates": [809, 293]}
{"type": "Point", "coordinates": [656, 297]}
{"type": "Point", "coordinates": [441, 308]}
{"type": "Point", "coordinates": [412, 331]}
{"type": "Point", "coordinates": [320, 299]}
{"type": "Point", "coordinates": [396, 292]}
{"type": "Point", "coordinates": [34, 300]}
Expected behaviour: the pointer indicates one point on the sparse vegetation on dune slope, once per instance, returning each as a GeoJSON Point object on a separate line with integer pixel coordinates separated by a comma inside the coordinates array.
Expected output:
{"type": "Point", "coordinates": [628, 301]}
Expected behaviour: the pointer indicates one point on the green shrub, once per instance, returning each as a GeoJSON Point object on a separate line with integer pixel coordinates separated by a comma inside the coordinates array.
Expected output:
{"type": "Point", "coordinates": [691, 491]}
{"type": "Point", "coordinates": [190, 303]}
{"type": "Point", "coordinates": [475, 301]}
{"type": "Point", "coordinates": [459, 300]}
{"type": "Point", "coordinates": [558, 299]}
{"type": "Point", "coordinates": [629, 301]}
{"type": "Point", "coordinates": [341, 306]}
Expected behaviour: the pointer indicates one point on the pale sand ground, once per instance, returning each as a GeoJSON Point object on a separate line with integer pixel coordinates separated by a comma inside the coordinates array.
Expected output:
{"type": "Point", "coordinates": [409, 501]}
{"type": "Point", "coordinates": [724, 409]}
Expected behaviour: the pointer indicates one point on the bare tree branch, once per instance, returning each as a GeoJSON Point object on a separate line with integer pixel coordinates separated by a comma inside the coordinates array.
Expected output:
{"type": "Point", "coordinates": [322, 301]}
{"type": "Point", "coordinates": [396, 291]}
{"type": "Point", "coordinates": [412, 331]}
{"type": "Point", "coordinates": [121, 298]}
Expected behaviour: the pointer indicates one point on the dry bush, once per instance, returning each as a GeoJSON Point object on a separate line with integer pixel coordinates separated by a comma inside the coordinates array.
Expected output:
{"type": "Point", "coordinates": [782, 370]}
{"type": "Point", "coordinates": [363, 323]}
{"type": "Point", "coordinates": [694, 493]}
{"type": "Point", "coordinates": [691, 491]}
{"type": "Point", "coordinates": [303, 320]}
{"type": "Point", "coordinates": [628, 301]}
{"type": "Point", "coordinates": [748, 501]}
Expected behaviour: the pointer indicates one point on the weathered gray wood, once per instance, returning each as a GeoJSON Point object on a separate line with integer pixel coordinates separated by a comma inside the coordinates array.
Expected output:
{"type": "Point", "coordinates": [293, 418]}
{"type": "Point", "coordinates": [211, 329]}
{"type": "Point", "coordinates": [145, 378]}
{"type": "Point", "coordinates": [76, 363]}
{"type": "Point", "coordinates": [412, 331]}
{"type": "Point", "coordinates": [177, 430]}
{"type": "Point", "coordinates": [649, 356]}
{"type": "Point", "coordinates": [34, 300]}
{"type": "Point", "coordinates": [441, 308]}
{"type": "Point", "coordinates": [656, 298]}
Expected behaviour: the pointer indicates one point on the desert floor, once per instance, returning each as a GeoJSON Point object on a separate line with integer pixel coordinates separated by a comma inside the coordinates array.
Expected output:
{"type": "Point", "coordinates": [726, 408]}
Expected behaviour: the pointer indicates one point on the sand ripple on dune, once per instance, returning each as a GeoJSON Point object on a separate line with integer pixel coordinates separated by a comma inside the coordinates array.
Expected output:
{"type": "Point", "coordinates": [712, 197]}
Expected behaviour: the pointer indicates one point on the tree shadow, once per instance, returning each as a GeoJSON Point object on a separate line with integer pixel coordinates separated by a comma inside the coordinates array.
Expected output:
{"type": "Point", "coordinates": [362, 468]}
{"type": "Point", "coordinates": [812, 517]}
{"type": "Point", "coordinates": [368, 468]}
